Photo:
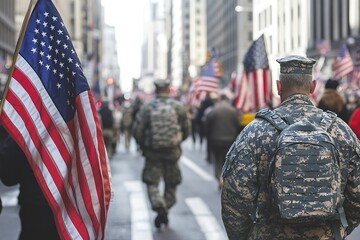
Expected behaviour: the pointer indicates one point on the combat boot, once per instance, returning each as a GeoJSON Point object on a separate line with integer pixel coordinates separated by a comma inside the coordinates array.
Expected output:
{"type": "Point", "coordinates": [161, 218]}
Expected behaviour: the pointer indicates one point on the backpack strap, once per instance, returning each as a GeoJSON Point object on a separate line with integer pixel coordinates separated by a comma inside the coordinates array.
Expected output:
{"type": "Point", "coordinates": [273, 118]}
{"type": "Point", "coordinates": [328, 118]}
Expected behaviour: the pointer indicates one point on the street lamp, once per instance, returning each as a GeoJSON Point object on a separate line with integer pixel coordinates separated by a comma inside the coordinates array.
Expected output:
{"type": "Point", "coordinates": [239, 8]}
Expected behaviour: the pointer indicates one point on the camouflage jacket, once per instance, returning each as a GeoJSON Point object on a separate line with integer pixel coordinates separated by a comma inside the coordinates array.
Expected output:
{"type": "Point", "coordinates": [142, 123]}
{"type": "Point", "coordinates": [245, 177]}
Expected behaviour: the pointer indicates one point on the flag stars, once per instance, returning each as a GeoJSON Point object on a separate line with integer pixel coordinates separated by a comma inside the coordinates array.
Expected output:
{"type": "Point", "coordinates": [36, 31]}
{"type": "Point", "coordinates": [65, 46]}
{"type": "Point", "coordinates": [58, 41]}
{"type": "Point", "coordinates": [42, 53]}
{"type": "Point", "coordinates": [62, 24]}
{"type": "Point", "coordinates": [48, 56]}
{"type": "Point", "coordinates": [54, 18]}
{"type": "Point", "coordinates": [42, 44]}
{"type": "Point", "coordinates": [52, 27]}
{"type": "Point", "coordinates": [51, 37]}
{"type": "Point", "coordinates": [44, 34]}
{"type": "Point", "coordinates": [47, 67]}
{"type": "Point", "coordinates": [56, 51]}
{"type": "Point", "coordinates": [63, 55]}
{"type": "Point", "coordinates": [58, 85]}
{"type": "Point", "coordinates": [33, 50]}
{"type": "Point", "coordinates": [72, 51]}
{"type": "Point", "coordinates": [50, 47]}
{"type": "Point", "coordinates": [45, 24]}
{"type": "Point", "coordinates": [46, 14]}
{"type": "Point", "coordinates": [77, 65]}
{"type": "Point", "coordinates": [37, 21]}
{"type": "Point", "coordinates": [41, 63]}
{"type": "Point", "coordinates": [54, 71]}
{"type": "Point", "coordinates": [34, 40]}
{"type": "Point", "coordinates": [70, 60]}
{"type": "Point", "coordinates": [61, 64]}
{"type": "Point", "coordinates": [60, 32]}
{"type": "Point", "coordinates": [73, 73]}
{"type": "Point", "coordinates": [55, 61]}
{"type": "Point", "coordinates": [67, 37]}
{"type": "Point", "coordinates": [61, 75]}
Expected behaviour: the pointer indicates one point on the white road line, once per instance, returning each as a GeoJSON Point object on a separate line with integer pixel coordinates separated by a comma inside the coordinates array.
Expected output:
{"type": "Point", "coordinates": [190, 164]}
{"type": "Point", "coordinates": [9, 198]}
{"type": "Point", "coordinates": [140, 217]}
{"type": "Point", "coordinates": [207, 222]}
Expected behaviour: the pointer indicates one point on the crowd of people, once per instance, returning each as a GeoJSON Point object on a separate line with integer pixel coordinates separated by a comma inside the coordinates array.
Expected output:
{"type": "Point", "coordinates": [272, 180]}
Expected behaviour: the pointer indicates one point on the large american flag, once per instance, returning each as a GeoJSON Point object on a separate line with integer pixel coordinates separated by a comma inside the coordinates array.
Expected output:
{"type": "Point", "coordinates": [253, 86]}
{"type": "Point", "coordinates": [207, 82]}
{"type": "Point", "coordinates": [343, 64]}
{"type": "Point", "coordinates": [50, 112]}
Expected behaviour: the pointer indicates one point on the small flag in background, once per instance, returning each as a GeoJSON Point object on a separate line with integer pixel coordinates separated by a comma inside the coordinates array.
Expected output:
{"type": "Point", "coordinates": [253, 86]}
{"type": "Point", "coordinates": [343, 64]}
{"type": "Point", "coordinates": [49, 111]}
{"type": "Point", "coordinates": [207, 82]}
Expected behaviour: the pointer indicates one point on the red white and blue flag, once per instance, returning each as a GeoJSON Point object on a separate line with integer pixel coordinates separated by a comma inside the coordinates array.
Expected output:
{"type": "Point", "coordinates": [253, 86]}
{"type": "Point", "coordinates": [49, 111]}
{"type": "Point", "coordinates": [207, 82]}
{"type": "Point", "coordinates": [343, 64]}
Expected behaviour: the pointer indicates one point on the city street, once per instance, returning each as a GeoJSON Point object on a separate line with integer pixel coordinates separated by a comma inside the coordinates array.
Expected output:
{"type": "Point", "coordinates": [196, 215]}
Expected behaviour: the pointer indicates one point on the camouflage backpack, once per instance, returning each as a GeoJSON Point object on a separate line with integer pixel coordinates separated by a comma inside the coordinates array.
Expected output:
{"type": "Point", "coordinates": [165, 131]}
{"type": "Point", "coordinates": [304, 174]}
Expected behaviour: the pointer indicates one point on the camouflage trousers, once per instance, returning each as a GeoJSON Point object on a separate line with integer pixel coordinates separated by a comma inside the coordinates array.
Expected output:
{"type": "Point", "coordinates": [153, 173]}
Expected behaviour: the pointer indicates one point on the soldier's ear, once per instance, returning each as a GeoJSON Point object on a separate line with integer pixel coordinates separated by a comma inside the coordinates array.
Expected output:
{"type": "Point", "coordinates": [278, 87]}
{"type": "Point", "coordinates": [313, 86]}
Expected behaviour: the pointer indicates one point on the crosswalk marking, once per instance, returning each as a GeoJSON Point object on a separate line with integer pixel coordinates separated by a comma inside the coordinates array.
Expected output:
{"type": "Point", "coordinates": [190, 164]}
{"type": "Point", "coordinates": [207, 222]}
{"type": "Point", "coordinates": [140, 217]}
{"type": "Point", "coordinates": [9, 198]}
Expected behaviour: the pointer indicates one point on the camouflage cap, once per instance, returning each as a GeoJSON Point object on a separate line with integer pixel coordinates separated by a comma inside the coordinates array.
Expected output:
{"type": "Point", "coordinates": [162, 84]}
{"type": "Point", "coordinates": [296, 64]}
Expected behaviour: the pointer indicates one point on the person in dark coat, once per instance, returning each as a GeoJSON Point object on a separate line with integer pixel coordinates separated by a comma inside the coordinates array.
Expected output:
{"type": "Point", "coordinates": [36, 216]}
{"type": "Point", "coordinates": [221, 127]}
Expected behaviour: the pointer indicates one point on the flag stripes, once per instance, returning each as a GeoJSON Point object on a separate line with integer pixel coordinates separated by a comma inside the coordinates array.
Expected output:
{"type": "Point", "coordinates": [68, 173]}
{"type": "Point", "coordinates": [343, 64]}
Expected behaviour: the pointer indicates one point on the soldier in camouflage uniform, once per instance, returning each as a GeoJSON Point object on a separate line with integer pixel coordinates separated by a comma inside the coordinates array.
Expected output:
{"type": "Point", "coordinates": [161, 162]}
{"type": "Point", "coordinates": [245, 197]}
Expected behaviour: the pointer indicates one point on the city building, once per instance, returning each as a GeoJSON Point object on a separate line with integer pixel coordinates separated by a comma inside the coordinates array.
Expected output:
{"type": "Point", "coordinates": [198, 47]}
{"type": "Point", "coordinates": [180, 45]}
{"type": "Point", "coordinates": [155, 50]}
{"type": "Point", "coordinates": [7, 38]}
{"type": "Point", "coordinates": [110, 69]}
{"type": "Point", "coordinates": [222, 34]}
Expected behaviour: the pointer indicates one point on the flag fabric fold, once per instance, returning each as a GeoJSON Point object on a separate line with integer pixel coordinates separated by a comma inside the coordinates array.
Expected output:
{"type": "Point", "coordinates": [343, 64]}
{"type": "Point", "coordinates": [206, 82]}
{"type": "Point", "coordinates": [49, 110]}
{"type": "Point", "coordinates": [253, 86]}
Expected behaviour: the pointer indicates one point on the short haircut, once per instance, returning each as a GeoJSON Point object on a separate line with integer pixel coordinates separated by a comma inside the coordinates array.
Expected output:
{"type": "Point", "coordinates": [294, 82]}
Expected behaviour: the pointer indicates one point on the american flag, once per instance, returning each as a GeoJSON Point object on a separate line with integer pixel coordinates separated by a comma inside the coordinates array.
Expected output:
{"type": "Point", "coordinates": [343, 64]}
{"type": "Point", "coordinates": [253, 86]}
{"type": "Point", "coordinates": [207, 82]}
{"type": "Point", "coordinates": [49, 111]}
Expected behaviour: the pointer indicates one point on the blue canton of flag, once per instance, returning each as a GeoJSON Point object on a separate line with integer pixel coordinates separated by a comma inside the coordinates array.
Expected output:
{"type": "Point", "coordinates": [48, 49]}
{"type": "Point", "coordinates": [256, 57]}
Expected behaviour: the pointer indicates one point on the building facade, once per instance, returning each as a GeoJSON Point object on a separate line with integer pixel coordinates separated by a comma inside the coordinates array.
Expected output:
{"type": "Point", "coordinates": [222, 34]}
{"type": "Point", "coordinates": [7, 38]}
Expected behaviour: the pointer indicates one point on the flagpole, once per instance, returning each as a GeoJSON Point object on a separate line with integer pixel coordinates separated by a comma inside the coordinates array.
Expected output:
{"type": "Point", "coordinates": [17, 50]}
